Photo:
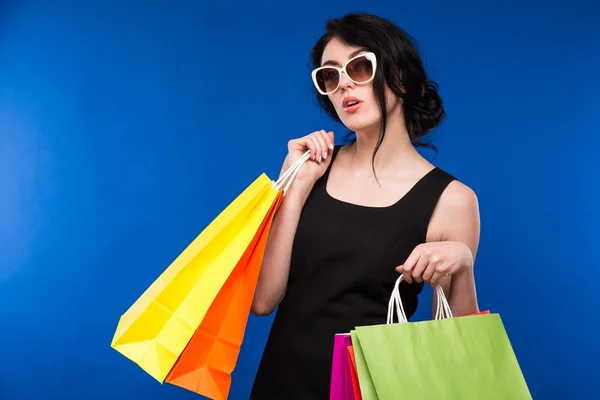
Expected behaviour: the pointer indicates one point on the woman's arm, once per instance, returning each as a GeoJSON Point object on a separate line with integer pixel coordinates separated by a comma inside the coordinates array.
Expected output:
{"type": "Point", "coordinates": [456, 219]}
{"type": "Point", "coordinates": [448, 256]}
{"type": "Point", "coordinates": [275, 268]}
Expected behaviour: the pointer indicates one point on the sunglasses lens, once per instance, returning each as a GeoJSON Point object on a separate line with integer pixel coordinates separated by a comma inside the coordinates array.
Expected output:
{"type": "Point", "coordinates": [360, 70]}
{"type": "Point", "coordinates": [328, 79]}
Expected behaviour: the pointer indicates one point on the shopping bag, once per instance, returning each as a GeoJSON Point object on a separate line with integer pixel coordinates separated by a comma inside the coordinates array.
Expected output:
{"type": "Point", "coordinates": [365, 382]}
{"type": "Point", "coordinates": [447, 358]}
{"type": "Point", "coordinates": [206, 364]}
{"type": "Point", "coordinates": [341, 381]}
{"type": "Point", "coordinates": [154, 331]}
{"type": "Point", "coordinates": [353, 374]}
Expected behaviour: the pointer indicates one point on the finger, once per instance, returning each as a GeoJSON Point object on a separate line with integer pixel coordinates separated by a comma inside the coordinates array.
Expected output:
{"type": "Point", "coordinates": [429, 272]}
{"type": "Point", "coordinates": [442, 270]}
{"type": "Point", "coordinates": [435, 279]}
{"type": "Point", "coordinates": [410, 263]}
{"type": "Point", "coordinates": [419, 269]}
{"type": "Point", "coordinates": [317, 152]}
{"type": "Point", "coordinates": [320, 149]}
{"type": "Point", "coordinates": [331, 140]}
{"type": "Point", "coordinates": [328, 143]}
{"type": "Point", "coordinates": [297, 144]}
{"type": "Point", "coordinates": [301, 143]}
{"type": "Point", "coordinates": [322, 143]}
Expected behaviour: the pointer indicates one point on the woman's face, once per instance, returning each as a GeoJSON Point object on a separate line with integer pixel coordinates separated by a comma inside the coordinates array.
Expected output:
{"type": "Point", "coordinates": [354, 102]}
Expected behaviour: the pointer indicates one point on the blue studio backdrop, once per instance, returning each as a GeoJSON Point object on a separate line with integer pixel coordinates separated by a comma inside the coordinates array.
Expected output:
{"type": "Point", "coordinates": [125, 128]}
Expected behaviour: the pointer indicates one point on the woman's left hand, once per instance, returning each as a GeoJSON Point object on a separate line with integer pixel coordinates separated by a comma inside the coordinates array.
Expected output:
{"type": "Point", "coordinates": [432, 261]}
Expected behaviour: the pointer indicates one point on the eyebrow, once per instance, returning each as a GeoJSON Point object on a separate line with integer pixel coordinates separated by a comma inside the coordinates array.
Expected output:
{"type": "Point", "coordinates": [353, 54]}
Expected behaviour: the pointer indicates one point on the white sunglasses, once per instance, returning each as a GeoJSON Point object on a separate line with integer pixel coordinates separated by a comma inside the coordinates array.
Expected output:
{"type": "Point", "coordinates": [359, 69]}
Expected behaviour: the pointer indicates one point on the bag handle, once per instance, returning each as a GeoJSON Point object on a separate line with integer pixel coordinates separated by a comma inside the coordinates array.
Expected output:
{"type": "Point", "coordinates": [443, 308]}
{"type": "Point", "coordinates": [291, 173]}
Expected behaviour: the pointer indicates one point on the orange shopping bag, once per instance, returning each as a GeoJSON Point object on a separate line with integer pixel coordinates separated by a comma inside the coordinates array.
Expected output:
{"type": "Point", "coordinates": [353, 373]}
{"type": "Point", "coordinates": [206, 364]}
{"type": "Point", "coordinates": [156, 329]}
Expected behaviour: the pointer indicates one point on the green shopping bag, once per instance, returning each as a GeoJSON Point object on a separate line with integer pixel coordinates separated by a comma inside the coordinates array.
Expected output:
{"type": "Point", "coordinates": [449, 358]}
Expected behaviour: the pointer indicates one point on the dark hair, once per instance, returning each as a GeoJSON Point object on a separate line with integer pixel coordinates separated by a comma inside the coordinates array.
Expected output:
{"type": "Point", "coordinates": [399, 65]}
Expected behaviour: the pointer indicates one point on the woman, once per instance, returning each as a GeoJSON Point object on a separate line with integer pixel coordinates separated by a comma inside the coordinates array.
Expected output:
{"type": "Point", "coordinates": [357, 216]}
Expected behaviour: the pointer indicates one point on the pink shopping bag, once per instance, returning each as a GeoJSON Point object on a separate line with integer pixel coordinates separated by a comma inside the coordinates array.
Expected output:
{"type": "Point", "coordinates": [341, 380]}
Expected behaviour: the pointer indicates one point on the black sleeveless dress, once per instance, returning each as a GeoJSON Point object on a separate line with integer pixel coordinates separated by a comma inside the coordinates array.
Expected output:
{"type": "Point", "coordinates": [341, 276]}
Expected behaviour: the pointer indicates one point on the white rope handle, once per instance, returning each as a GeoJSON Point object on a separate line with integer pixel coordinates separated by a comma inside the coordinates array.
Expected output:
{"type": "Point", "coordinates": [291, 173]}
{"type": "Point", "coordinates": [291, 169]}
{"type": "Point", "coordinates": [443, 308]}
{"type": "Point", "coordinates": [396, 301]}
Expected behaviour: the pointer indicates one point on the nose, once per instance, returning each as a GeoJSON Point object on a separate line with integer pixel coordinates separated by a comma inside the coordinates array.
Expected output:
{"type": "Point", "coordinates": [345, 82]}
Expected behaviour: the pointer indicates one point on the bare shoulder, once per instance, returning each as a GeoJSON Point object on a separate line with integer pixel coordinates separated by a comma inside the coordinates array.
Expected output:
{"type": "Point", "coordinates": [458, 198]}
{"type": "Point", "coordinates": [456, 216]}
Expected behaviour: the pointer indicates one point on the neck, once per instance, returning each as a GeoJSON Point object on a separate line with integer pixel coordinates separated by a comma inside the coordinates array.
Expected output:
{"type": "Point", "coordinates": [396, 150]}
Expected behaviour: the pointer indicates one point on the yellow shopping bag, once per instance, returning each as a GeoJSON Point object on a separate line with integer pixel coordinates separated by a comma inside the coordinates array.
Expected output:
{"type": "Point", "coordinates": [154, 331]}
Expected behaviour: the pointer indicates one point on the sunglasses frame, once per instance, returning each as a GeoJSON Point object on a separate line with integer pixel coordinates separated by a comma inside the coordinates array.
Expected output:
{"type": "Point", "coordinates": [369, 55]}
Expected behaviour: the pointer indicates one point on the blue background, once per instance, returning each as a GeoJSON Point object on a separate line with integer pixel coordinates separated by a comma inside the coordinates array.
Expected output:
{"type": "Point", "coordinates": [124, 129]}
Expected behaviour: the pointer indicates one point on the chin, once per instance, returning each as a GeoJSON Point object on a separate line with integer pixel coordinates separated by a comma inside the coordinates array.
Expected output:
{"type": "Point", "coordinates": [361, 123]}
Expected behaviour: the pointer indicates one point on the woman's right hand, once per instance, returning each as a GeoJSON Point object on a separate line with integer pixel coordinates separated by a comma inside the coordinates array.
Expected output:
{"type": "Point", "coordinates": [321, 145]}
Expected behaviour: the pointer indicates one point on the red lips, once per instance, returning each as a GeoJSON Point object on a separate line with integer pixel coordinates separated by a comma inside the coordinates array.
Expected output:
{"type": "Point", "coordinates": [349, 101]}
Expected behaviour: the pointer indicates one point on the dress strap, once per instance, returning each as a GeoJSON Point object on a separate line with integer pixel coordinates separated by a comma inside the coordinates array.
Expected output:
{"type": "Point", "coordinates": [334, 154]}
